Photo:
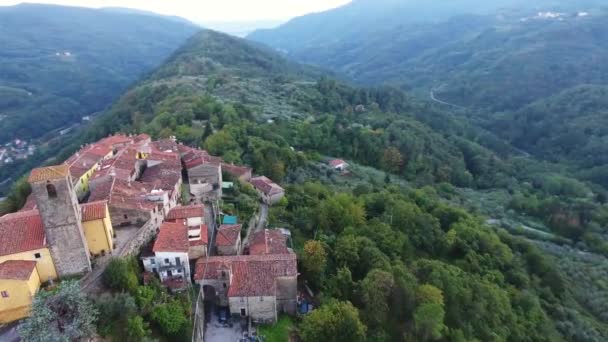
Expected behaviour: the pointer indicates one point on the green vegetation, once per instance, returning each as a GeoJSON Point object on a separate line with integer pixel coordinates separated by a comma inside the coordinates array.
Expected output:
{"type": "Point", "coordinates": [400, 249]}
{"type": "Point", "coordinates": [139, 312]}
{"type": "Point", "coordinates": [279, 332]}
{"type": "Point", "coordinates": [61, 314]}
{"type": "Point", "coordinates": [56, 76]}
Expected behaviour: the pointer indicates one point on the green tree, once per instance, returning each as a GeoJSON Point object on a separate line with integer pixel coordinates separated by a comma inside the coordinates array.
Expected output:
{"type": "Point", "coordinates": [114, 310]}
{"type": "Point", "coordinates": [375, 291]}
{"type": "Point", "coordinates": [333, 322]}
{"type": "Point", "coordinates": [392, 160]}
{"type": "Point", "coordinates": [65, 314]}
{"type": "Point", "coordinates": [428, 319]}
{"type": "Point", "coordinates": [314, 258]}
{"type": "Point", "coordinates": [121, 275]}
{"type": "Point", "coordinates": [170, 317]}
{"type": "Point", "coordinates": [137, 329]}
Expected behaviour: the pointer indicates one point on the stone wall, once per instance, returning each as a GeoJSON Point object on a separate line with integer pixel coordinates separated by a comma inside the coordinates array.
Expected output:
{"type": "Point", "coordinates": [60, 215]}
{"type": "Point", "coordinates": [287, 295]}
{"type": "Point", "coordinates": [259, 309]}
{"type": "Point", "coordinates": [128, 216]}
{"type": "Point", "coordinates": [144, 236]}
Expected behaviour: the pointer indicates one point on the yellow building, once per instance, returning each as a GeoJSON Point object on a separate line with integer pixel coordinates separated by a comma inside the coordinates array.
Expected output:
{"type": "Point", "coordinates": [22, 238]}
{"type": "Point", "coordinates": [84, 163]}
{"type": "Point", "coordinates": [97, 226]}
{"type": "Point", "coordinates": [19, 282]}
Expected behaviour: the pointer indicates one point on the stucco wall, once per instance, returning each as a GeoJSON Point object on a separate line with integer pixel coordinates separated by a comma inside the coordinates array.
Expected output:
{"type": "Point", "coordinates": [98, 238]}
{"type": "Point", "coordinates": [44, 264]}
{"type": "Point", "coordinates": [20, 294]}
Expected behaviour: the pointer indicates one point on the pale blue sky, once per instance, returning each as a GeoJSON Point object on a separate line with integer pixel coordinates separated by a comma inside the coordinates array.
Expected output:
{"type": "Point", "coordinates": [211, 10]}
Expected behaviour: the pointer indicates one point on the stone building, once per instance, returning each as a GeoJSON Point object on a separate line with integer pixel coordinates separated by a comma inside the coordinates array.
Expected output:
{"type": "Point", "coordinates": [61, 218]}
{"type": "Point", "coordinates": [228, 239]}
{"type": "Point", "coordinates": [269, 191]}
{"type": "Point", "coordinates": [204, 174]}
{"type": "Point", "coordinates": [258, 286]}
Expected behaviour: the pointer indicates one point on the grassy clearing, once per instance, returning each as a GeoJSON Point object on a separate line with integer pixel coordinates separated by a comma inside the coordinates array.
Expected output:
{"type": "Point", "coordinates": [278, 332]}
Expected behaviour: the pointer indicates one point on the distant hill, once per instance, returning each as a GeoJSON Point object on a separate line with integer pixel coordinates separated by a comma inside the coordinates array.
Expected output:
{"type": "Point", "coordinates": [59, 64]}
{"type": "Point", "coordinates": [251, 106]}
{"type": "Point", "coordinates": [530, 71]}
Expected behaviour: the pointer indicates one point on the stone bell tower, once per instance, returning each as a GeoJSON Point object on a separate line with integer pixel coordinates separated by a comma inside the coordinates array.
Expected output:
{"type": "Point", "coordinates": [52, 188]}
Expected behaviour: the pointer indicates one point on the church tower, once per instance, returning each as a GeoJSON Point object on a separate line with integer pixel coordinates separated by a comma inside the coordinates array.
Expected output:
{"type": "Point", "coordinates": [52, 188]}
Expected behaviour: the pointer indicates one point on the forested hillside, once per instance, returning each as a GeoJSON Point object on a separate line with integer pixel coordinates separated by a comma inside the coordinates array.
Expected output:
{"type": "Point", "coordinates": [59, 64]}
{"type": "Point", "coordinates": [401, 248]}
{"type": "Point", "coordinates": [533, 74]}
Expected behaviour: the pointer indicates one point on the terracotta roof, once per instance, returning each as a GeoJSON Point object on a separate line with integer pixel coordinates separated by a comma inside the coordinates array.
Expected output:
{"type": "Point", "coordinates": [265, 185]}
{"type": "Point", "coordinates": [173, 237]}
{"type": "Point", "coordinates": [336, 162]}
{"type": "Point", "coordinates": [142, 137]}
{"type": "Point", "coordinates": [21, 232]}
{"type": "Point", "coordinates": [165, 145]}
{"type": "Point", "coordinates": [17, 269]}
{"type": "Point", "coordinates": [114, 140]}
{"type": "Point", "coordinates": [184, 212]}
{"type": "Point", "coordinates": [163, 176]}
{"type": "Point", "coordinates": [101, 189]}
{"type": "Point", "coordinates": [268, 242]}
{"type": "Point", "coordinates": [228, 235]}
{"type": "Point", "coordinates": [44, 174]}
{"type": "Point", "coordinates": [237, 171]}
{"type": "Point", "coordinates": [93, 211]}
{"type": "Point", "coordinates": [196, 158]}
{"type": "Point", "coordinates": [204, 240]}
{"type": "Point", "coordinates": [30, 203]}
{"type": "Point", "coordinates": [252, 275]}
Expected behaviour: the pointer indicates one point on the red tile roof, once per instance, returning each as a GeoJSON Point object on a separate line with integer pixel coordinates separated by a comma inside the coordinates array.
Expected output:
{"type": "Point", "coordinates": [163, 176]}
{"type": "Point", "coordinates": [252, 275]}
{"type": "Point", "coordinates": [228, 235]}
{"type": "Point", "coordinates": [165, 145]}
{"type": "Point", "coordinates": [44, 174]}
{"type": "Point", "coordinates": [265, 185]}
{"type": "Point", "coordinates": [184, 212]}
{"type": "Point", "coordinates": [336, 162]}
{"type": "Point", "coordinates": [268, 242]}
{"type": "Point", "coordinates": [173, 237]}
{"type": "Point", "coordinates": [30, 203]}
{"type": "Point", "coordinates": [21, 232]}
{"type": "Point", "coordinates": [115, 140]}
{"type": "Point", "coordinates": [204, 240]}
{"type": "Point", "coordinates": [196, 158]}
{"type": "Point", "coordinates": [93, 211]}
{"type": "Point", "coordinates": [237, 171]}
{"type": "Point", "coordinates": [17, 269]}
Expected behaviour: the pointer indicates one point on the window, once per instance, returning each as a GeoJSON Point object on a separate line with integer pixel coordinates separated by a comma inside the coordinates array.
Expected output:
{"type": "Point", "coordinates": [51, 191]}
{"type": "Point", "coordinates": [224, 285]}
{"type": "Point", "coordinates": [37, 256]}
{"type": "Point", "coordinates": [167, 261]}
{"type": "Point", "coordinates": [243, 312]}
{"type": "Point", "coordinates": [125, 216]}
{"type": "Point", "coordinates": [4, 294]}
{"type": "Point", "coordinates": [261, 299]}
{"type": "Point", "coordinates": [153, 261]}
{"type": "Point", "coordinates": [223, 273]}
{"type": "Point", "coordinates": [177, 261]}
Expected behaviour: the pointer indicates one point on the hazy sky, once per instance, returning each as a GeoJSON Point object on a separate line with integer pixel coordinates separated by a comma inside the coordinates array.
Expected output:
{"type": "Point", "coordinates": [211, 10]}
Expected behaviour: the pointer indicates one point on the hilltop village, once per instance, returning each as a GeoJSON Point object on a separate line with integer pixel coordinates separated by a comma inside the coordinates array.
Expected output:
{"type": "Point", "coordinates": [158, 201]}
